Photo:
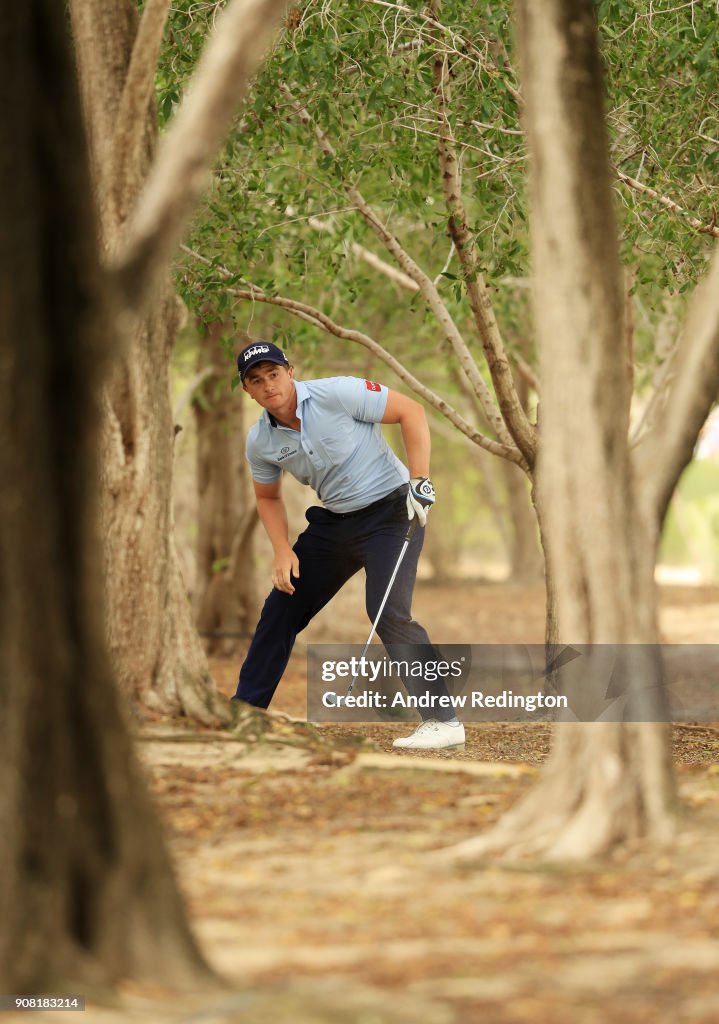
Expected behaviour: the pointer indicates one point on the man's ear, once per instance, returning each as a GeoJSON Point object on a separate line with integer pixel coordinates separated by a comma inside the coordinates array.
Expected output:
{"type": "Point", "coordinates": [291, 372]}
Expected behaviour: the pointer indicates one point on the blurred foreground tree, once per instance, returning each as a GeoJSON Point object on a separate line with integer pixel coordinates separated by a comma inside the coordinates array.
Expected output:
{"type": "Point", "coordinates": [88, 894]}
{"type": "Point", "coordinates": [87, 891]}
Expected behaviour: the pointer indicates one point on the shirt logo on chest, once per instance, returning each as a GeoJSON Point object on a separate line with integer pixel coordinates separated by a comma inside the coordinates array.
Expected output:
{"type": "Point", "coordinates": [285, 453]}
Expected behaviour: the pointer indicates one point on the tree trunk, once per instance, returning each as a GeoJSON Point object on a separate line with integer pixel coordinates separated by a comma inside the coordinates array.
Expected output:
{"type": "Point", "coordinates": [440, 552]}
{"type": "Point", "coordinates": [604, 783]}
{"type": "Point", "coordinates": [551, 619]}
{"type": "Point", "coordinates": [86, 887]}
{"type": "Point", "coordinates": [601, 548]}
{"type": "Point", "coordinates": [226, 595]}
{"type": "Point", "coordinates": [167, 671]}
{"type": "Point", "coordinates": [502, 511]}
{"type": "Point", "coordinates": [525, 553]}
{"type": "Point", "coordinates": [526, 556]}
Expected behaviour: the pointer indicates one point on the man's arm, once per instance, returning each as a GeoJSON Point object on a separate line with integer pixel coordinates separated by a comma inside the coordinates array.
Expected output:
{"type": "Point", "coordinates": [412, 421]}
{"type": "Point", "coordinates": [272, 512]}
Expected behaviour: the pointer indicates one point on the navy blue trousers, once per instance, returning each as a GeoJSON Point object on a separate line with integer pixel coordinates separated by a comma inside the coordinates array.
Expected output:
{"type": "Point", "coordinates": [331, 550]}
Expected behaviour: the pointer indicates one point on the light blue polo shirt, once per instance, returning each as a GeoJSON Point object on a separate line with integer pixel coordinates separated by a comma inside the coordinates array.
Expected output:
{"type": "Point", "coordinates": [339, 450]}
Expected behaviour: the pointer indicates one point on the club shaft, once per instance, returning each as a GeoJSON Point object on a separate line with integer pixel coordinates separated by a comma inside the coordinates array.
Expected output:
{"type": "Point", "coordinates": [403, 552]}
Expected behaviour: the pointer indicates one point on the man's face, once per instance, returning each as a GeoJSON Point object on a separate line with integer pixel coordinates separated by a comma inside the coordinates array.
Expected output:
{"type": "Point", "coordinates": [270, 385]}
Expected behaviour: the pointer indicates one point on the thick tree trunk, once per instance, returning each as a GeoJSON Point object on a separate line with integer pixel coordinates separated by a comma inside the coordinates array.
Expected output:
{"type": "Point", "coordinates": [226, 595]}
{"type": "Point", "coordinates": [153, 642]}
{"type": "Point", "coordinates": [601, 549]}
{"type": "Point", "coordinates": [86, 887]}
{"type": "Point", "coordinates": [156, 652]}
{"type": "Point", "coordinates": [604, 783]}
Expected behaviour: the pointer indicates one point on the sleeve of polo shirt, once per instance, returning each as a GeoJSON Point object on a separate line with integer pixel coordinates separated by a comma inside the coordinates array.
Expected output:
{"type": "Point", "coordinates": [363, 400]}
{"type": "Point", "coordinates": [263, 472]}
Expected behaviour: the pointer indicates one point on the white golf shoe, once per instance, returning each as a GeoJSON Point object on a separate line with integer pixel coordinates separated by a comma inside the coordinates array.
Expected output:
{"type": "Point", "coordinates": [432, 735]}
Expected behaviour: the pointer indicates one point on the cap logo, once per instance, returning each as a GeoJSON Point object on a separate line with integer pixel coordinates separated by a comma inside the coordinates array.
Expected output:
{"type": "Point", "coordinates": [256, 350]}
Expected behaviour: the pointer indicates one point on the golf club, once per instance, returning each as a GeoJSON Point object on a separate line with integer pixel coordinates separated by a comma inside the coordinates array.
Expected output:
{"type": "Point", "coordinates": [407, 538]}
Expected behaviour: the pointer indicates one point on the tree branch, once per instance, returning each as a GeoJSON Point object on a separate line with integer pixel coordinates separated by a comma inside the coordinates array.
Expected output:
{"type": "Point", "coordinates": [462, 46]}
{"type": "Point", "coordinates": [526, 371]}
{"type": "Point", "coordinates": [698, 225]}
{"type": "Point", "coordinates": [427, 287]}
{"type": "Point", "coordinates": [377, 263]}
{"type": "Point", "coordinates": [137, 93]}
{"type": "Point", "coordinates": [693, 388]}
{"type": "Point", "coordinates": [188, 393]}
{"type": "Point", "coordinates": [404, 280]}
{"type": "Point", "coordinates": [183, 164]}
{"type": "Point", "coordinates": [662, 380]}
{"type": "Point", "coordinates": [319, 319]}
{"type": "Point", "coordinates": [523, 432]}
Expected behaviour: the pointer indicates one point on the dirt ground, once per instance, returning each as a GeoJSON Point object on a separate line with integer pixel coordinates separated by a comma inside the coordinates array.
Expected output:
{"type": "Point", "coordinates": [306, 862]}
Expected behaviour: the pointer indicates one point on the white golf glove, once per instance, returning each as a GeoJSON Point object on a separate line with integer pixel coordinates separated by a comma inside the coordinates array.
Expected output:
{"type": "Point", "coordinates": [420, 498]}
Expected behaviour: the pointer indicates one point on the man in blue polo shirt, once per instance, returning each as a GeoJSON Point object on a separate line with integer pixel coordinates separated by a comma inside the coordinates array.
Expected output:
{"type": "Point", "coordinates": [327, 434]}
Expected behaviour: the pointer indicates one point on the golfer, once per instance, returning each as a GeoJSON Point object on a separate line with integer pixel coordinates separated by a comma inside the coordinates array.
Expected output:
{"type": "Point", "coordinates": [326, 433]}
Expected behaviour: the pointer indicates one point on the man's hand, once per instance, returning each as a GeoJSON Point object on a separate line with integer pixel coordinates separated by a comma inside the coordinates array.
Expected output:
{"type": "Point", "coordinates": [420, 498]}
{"type": "Point", "coordinates": [286, 564]}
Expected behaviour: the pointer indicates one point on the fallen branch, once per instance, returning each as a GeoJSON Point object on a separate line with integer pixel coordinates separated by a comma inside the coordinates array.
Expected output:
{"type": "Point", "coordinates": [394, 762]}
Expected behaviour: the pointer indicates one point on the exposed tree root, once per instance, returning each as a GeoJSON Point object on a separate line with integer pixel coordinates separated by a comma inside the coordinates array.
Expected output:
{"type": "Point", "coordinates": [254, 725]}
{"type": "Point", "coordinates": [604, 785]}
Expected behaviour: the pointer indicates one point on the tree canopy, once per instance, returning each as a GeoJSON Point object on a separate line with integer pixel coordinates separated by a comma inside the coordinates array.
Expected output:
{"type": "Point", "coordinates": [280, 217]}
